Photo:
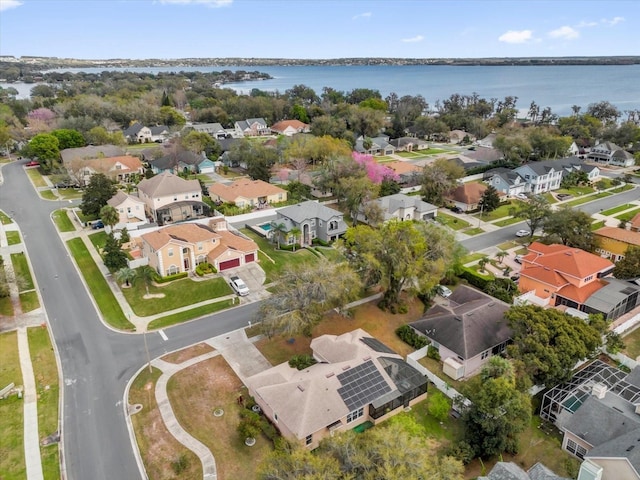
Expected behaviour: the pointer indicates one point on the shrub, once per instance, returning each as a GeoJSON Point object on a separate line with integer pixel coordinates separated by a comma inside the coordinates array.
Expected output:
{"type": "Point", "coordinates": [301, 361]}
{"type": "Point", "coordinates": [432, 352]}
{"type": "Point", "coordinates": [250, 424]}
{"type": "Point", "coordinates": [461, 451]}
{"type": "Point", "coordinates": [438, 406]}
{"type": "Point", "coordinates": [170, 278]}
{"type": "Point", "coordinates": [475, 278]}
{"type": "Point", "coordinates": [180, 464]}
{"type": "Point", "coordinates": [322, 243]}
{"type": "Point", "coordinates": [409, 336]}
{"type": "Point", "coordinates": [205, 268]}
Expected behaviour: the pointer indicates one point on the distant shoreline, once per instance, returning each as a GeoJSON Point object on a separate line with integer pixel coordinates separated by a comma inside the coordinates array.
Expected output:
{"type": "Point", "coordinates": [55, 63]}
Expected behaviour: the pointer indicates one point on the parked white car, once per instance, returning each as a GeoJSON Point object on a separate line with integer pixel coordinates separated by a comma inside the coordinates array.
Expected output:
{"type": "Point", "coordinates": [521, 196]}
{"type": "Point", "coordinates": [523, 233]}
{"type": "Point", "coordinates": [444, 291]}
{"type": "Point", "coordinates": [239, 286]}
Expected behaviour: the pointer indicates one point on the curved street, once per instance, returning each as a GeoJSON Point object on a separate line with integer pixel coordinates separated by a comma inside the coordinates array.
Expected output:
{"type": "Point", "coordinates": [96, 361]}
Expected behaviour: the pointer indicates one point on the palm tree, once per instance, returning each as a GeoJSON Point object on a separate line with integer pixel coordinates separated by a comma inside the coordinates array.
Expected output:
{"type": "Point", "coordinates": [295, 232]}
{"type": "Point", "coordinates": [145, 274]}
{"type": "Point", "coordinates": [109, 216]}
{"type": "Point", "coordinates": [482, 263]}
{"type": "Point", "coordinates": [500, 255]}
{"type": "Point", "coordinates": [125, 275]}
{"type": "Point", "coordinates": [278, 229]}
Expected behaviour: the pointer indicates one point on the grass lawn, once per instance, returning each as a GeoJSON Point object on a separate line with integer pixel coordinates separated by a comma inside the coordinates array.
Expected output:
{"type": "Point", "coordinates": [21, 269]}
{"type": "Point", "coordinates": [473, 231]}
{"type": "Point", "coordinates": [13, 237]}
{"type": "Point", "coordinates": [47, 195]}
{"type": "Point", "coordinates": [70, 193]}
{"type": "Point", "coordinates": [576, 191]}
{"type": "Point", "coordinates": [597, 225]}
{"type": "Point", "coordinates": [627, 216]}
{"type": "Point", "coordinates": [102, 294]}
{"type": "Point", "coordinates": [190, 314]}
{"type": "Point", "coordinates": [158, 447]}
{"type": "Point", "coordinates": [449, 430]}
{"type": "Point", "coordinates": [331, 254]}
{"type": "Point", "coordinates": [12, 463]}
{"type": "Point", "coordinates": [587, 199]}
{"type": "Point", "coordinates": [179, 293]}
{"type": "Point", "coordinates": [451, 221]}
{"type": "Point", "coordinates": [618, 209]}
{"type": "Point", "coordinates": [507, 221]}
{"type": "Point", "coordinates": [62, 221]}
{"type": "Point", "coordinates": [29, 301]}
{"type": "Point", "coordinates": [5, 219]}
{"type": "Point", "coordinates": [6, 307]}
{"type": "Point", "coordinates": [472, 258]}
{"type": "Point", "coordinates": [99, 240]}
{"type": "Point", "coordinates": [549, 198]}
{"type": "Point", "coordinates": [501, 211]}
{"type": "Point", "coordinates": [36, 177]}
{"type": "Point", "coordinates": [213, 384]}
{"type": "Point", "coordinates": [623, 188]}
{"type": "Point", "coordinates": [632, 342]}
{"type": "Point", "coordinates": [46, 375]}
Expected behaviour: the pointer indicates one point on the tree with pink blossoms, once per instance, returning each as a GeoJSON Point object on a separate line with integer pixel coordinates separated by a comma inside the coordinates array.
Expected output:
{"type": "Point", "coordinates": [375, 171]}
{"type": "Point", "coordinates": [41, 114]}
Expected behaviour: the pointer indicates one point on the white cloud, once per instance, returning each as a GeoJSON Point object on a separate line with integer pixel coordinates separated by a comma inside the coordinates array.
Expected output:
{"type": "Point", "coordinates": [565, 32]}
{"type": "Point", "coordinates": [612, 21]}
{"type": "Point", "coordinates": [7, 4]}
{"type": "Point", "coordinates": [208, 3]}
{"type": "Point", "coordinates": [584, 24]}
{"type": "Point", "coordinates": [516, 36]}
{"type": "Point", "coordinates": [362, 15]}
{"type": "Point", "coordinates": [417, 38]}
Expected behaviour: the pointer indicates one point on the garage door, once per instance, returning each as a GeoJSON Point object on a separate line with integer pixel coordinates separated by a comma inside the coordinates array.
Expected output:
{"type": "Point", "coordinates": [229, 264]}
{"type": "Point", "coordinates": [249, 257]}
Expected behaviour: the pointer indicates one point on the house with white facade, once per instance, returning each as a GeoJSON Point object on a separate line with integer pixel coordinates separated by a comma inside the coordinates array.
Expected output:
{"type": "Point", "coordinates": [611, 154]}
{"type": "Point", "coordinates": [251, 127]}
{"type": "Point", "coordinates": [131, 210]}
{"type": "Point", "coordinates": [402, 207]}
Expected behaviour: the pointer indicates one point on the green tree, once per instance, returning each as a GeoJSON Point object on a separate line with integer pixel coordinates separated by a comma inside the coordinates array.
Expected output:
{"type": "Point", "coordinates": [629, 266]}
{"type": "Point", "coordinates": [305, 294]}
{"type": "Point", "coordinates": [170, 117]}
{"type": "Point", "coordinates": [490, 199]}
{"type": "Point", "coordinates": [572, 227]}
{"type": "Point", "coordinates": [295, 234]}
{"type": "Point", "coordinates": [45, 147]}
{"type": "Point", "coordinates": [109, 216]}
{"type": "Point", "coordinates": [300, 464]}
{"type": "Point", "coordinates": [500, 255]}
{"type": "Point", "coordinates": [498, 412]}
{"type": "Point", "coordinates": [358, 190]}
{"type": "Point", "coordinates": [125, 275]}
{"type": "Point", "coordinates": [535, 212]}
{"type": "Point", "coordinates": [438, 406]}
{"type": "Point", "coordinates": [438, 178]}
{"type": "Point", "coordinates": [114, 257]}
{"type": "Point", "coordinates": [278, 230]}
{"type": "Point", "coordinates": [99, 190]}
{"type": "Point", "coordinates": [399, 256]}
{"type": "Point", "coordinates": [483, 263]}
{"type": "Point", "coordinates": [145, 274]}
{"type": "Point", "coordinates": [548, 343]}
{"type": "Point", "coordinates": [261, 161]}
{"type": "Point", "coordinates": [68, 138]}
{"type": "Point", "coordinates": [198, 142]}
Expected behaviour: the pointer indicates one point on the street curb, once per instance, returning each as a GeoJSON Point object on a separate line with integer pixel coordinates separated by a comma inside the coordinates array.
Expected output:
{"type": "Point", "coordinates": [127, 419]}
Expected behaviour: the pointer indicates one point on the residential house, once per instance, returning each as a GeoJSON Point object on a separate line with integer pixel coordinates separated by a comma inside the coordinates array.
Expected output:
{"type": "Point", "coordinates": [458, 136]}
{"type": "Point", "coordinates": [251, 127]}
{"type": "Point", "coordinates": [379, 146]}
{"type": "Point", "coordinates": [289, 128]}
{"type": "Point", "coordinates": [159, 133]}
{"type": "Point", "coordinates": [558, 275]}
{"type": "Point", "coordinates": [634, 223]}
{"type": "Point", "coordinates": [597, 411]}
{"type": "Point", "coordinates": [314, 220]}
{"type": "Point", "coordinates": [408, 173]}
{"type": "Point", "coordinates": [487, 141]}
{"type": "Point", "coordinates": [216, 130]}
{"type": "Point", "coordinates": [611, 154]}
{"type": "Point", "coordinates": [183, 161]}
{"type": "Point", "coordinates": [484, 155]}
{"type": "Point", "coordinates": [169, 198]}
{"type": "Point", "coordinates": [131, 210]}
{"type": "Point", "coordinates": [358, 380]}
{"type": "Point", "coordinates": [467, 196]}
{"type": "Point", "coordinates": [613, 242]}
{"type": "Point", "coordinates": [512, 471]}
{"type": "Point", "coordinates": [409, 144]}
{"type": "Point", "coordinates": [70, 155]}
{"type": "Point", "coordinates": [468, 328]}
{"type": "Point", "coordinates": [118, 169]}
{"type": "Point", "coordinates": [402, 207]}
{"type": "Point", "coordinates": [181, 248]}
{"type": "Point", "coordinates": [137, 133]}
{"type": "Point", "coordinates": [246, 192]}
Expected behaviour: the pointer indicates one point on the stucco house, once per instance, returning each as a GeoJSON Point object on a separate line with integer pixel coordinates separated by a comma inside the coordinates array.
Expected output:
{"type": "Point", "coordinates": [467, 196]}
{"type": "Point", "coordinates": [613, 242]}
{"type": "Point", "coordinates": [314, 220]}
{"type": "Point", "coordinates": [118, 169]}
{"type": "Point", "coordinates": [402, 207]}
{"type": "Point", "coordinates": [131, 210]}
{"type": "Point", "coordinates": [181, 248]}
{"type": "Point", "coordinates": [289, 128]}
{"type": "Point", "coordinates": [169, 198]}
{"type": "Point", "coordinates": [611, 154]}
{"type": "Point", "coordinates": [246, 192]}
{"type": "Point", "coordinates": [468, 328]}
{"type": "Point", "coordinates": [251, 127]}
{"type": "Point", "coordinates": [70, 155]}
{"type": "Point", "coordinates": [357, 380]}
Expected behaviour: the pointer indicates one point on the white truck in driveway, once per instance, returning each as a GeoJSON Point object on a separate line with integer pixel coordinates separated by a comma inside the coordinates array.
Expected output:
{"type": "Point", "coordinates": [239, 286]}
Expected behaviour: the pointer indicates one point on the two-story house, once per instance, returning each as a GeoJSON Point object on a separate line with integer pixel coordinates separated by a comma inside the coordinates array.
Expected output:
{"type": "Point", "coordinates": [613, 242]}
{"type": "Point", "coordinates": [402, 207]}
{"type": "Point", "coordinates": [216, 130]}
{"type": "Point", "coordinates": [248, 193]}
{"type": "Point", "coordinates": [131, 210]}
{"type": "Point", "coordinates": [314, 220]}
{"type": "Point", "coordinates": [137, 133]}
{"type": "Point", "coordinates": [611, 154]}
{"type": "Point", "coordinates": [169, 198]}
{"type": "Point", "coordinates": [251, 127]}
{"type": "Point", "coordinates": [118, 169]}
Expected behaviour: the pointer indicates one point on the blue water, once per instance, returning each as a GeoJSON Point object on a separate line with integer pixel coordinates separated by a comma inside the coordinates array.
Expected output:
{"type": "Point", "coordinates": [265, 226]}
{"type": "Point", "coordinates": [557, 87]}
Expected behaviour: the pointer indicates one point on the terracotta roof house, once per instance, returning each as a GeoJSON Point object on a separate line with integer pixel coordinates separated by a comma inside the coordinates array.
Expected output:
{"type": "Point", "coordinates": [246, 192]}
{"type": "Point", "coordinates": [314, 220]}
{"type": "Point", "coordinates": [119, 169]}
{"type": "Point", "coordinates": [290, 127]}
{"type": "Point", "coordinates": [564, 276]}
{"type": "Point", "coordinates": [409, 144]}
{"type": "Point", "coordinates": [467, 331]}
{"type": "Point", "coordinates": [611, 154]}
{"type": "Point", "coordinates": [613, 242]}
{"type": "Point", "coordinates": [357, 380]}
{"type": "Point", "coordinates": [511, 471]}
{"type": "Point", "coordinates": [634, 223]}
{"type": "Point", "coordinates": [407, 172]}
{"type": "Point", "coordinates": [467, 196]}
{"type": "Point", "coordinates": [403, 207]}
{"type": "Point", "coordinates": [170, 198]}
{"type": "Point", "coordinates": [130, 209]}
{"type": "Point", "coordinates": [92, 151]}
{"type": "Point", "coordinates": [182, 161]}
{"type": "Point", "coordinates": [597, 411]}
{"type": "Point", "coordinates": [251, 127]}
{"type": "Point", "coordinates": [181, 248]}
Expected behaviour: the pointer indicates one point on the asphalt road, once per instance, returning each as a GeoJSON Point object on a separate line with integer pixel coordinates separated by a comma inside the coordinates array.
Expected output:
{"type": "Point", "coordinates": [96, 361]}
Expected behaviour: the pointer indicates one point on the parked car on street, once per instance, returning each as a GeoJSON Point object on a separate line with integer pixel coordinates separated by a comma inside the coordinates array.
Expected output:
{"type": "Point", "coordinates": [521, 196]}
{"type": "Point", "coordinates": [239, 286]}
{"type": "Point", "coordinates": [523, 233]}
{"type": "Point", "coordinates": [32, 163]}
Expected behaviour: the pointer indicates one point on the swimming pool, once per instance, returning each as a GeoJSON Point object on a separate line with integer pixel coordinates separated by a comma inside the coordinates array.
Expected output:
{"type": "Point", "coordinates": [265, 226]}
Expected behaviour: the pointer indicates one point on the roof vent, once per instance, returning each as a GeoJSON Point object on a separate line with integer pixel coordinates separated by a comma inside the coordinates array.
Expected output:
{"type": "Point", "coordinates": [329, 375]}
{"type": "Point", "coordinates": [599, 390]}
{"type": "Point", "coordinates": [301, 388]}
{"type": "Point", "coordinates": [346, 367]}
{"type": "Point", "coordinates": [368, 357]}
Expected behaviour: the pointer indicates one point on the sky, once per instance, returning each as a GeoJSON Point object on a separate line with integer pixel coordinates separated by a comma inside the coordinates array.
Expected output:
{"type": "Point", "coordinates": [318, 29]}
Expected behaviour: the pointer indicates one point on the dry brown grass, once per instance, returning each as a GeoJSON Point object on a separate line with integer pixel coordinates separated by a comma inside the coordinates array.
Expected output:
{"type": "Point", "coordinates": [213, 384]}
{"type": "Point", "coordinates": [157, 446]}
{"type": "Point", "coordinates": [188, 353]}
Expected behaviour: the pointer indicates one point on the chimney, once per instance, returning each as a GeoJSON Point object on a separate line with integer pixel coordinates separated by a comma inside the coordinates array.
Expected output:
{"type": "Point", "coordinates": [638, 409]}
{"type": "Point", "coordinates": [599, 390]}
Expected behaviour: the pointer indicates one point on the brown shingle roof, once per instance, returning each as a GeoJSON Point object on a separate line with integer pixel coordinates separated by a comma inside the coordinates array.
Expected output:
{"type": "Point", "coordinates": [468, 193]}
{"type": "Point", "coordinates": [244, 188]}
{"type": "Point", "coordinates": [282, 125]}
{"type": "Point", "coordinates": [167, 183]}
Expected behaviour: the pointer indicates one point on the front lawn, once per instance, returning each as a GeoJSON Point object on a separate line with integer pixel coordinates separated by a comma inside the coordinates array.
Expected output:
{"type": "Point", "coordinates": [507, 221]}
{"type": "Point", "coordinates": [587, 199]}
{"type": "Point", "coordinates": [47, 195]}
{"type": "Point", "coordinates": [473, 231]}
{"type": "Point", "coordinates": [29, 301]}
{"type": "Point", "coordinates": [452, 222]}
{"type": "Point", "coordinates": [13, 237]}
{"type": "Point", "coordinates": [502, 211]}
{"type": "Point", "coordinates": [62, 221]}
{"type": "Point", "coordinates": [36, 177]}
{"type": "Point", "coordinates": [576, 191]}
{"type": "Point", "coordinates": [178, 293]}
{"type": "Point", "coordinates": [21, 269]}
{"type": "Point", "coordinates": [98, 286]}
{"type": "Point", "coordinates": [618, 209]}
{"type": "Point", "coordinates": [99, 240]}
{"type": "Point", "coordinates": [197, 312]}
{"type": "Point", "coordinates": [5, 219]}
{"type": "Point", "coordinates": [627, 216]}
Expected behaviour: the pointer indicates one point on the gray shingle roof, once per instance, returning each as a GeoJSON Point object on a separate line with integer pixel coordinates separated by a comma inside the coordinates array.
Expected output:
{"type": "Point", "coordinates": [90, 152]}
{"type": "Point", "coordinates": [624, 446]}
{"type": "Point", "coordinates": [308, 210]}
{"type": "Point", "coordinates": [172, 160]}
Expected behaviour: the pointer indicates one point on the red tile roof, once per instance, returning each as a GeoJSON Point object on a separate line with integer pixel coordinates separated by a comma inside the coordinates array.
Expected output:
{"type": "Point", "coordinates": [567, 260]}
{"type": "Point", "coordinates": [627, 236]}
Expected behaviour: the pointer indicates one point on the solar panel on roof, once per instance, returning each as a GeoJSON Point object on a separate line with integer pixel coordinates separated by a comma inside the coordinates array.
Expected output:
{"type": "Point", "coordinates": [376, 345]}
{"type": "Point", "coordinates": [361, 385]}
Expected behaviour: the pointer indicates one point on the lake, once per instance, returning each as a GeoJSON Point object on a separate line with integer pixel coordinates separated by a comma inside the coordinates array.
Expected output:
{"type": "Point", "coordinates": [557, 87]}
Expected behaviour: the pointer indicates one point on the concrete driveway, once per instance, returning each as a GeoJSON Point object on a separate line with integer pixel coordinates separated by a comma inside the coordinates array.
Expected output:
{"type": "Point", "coordinates": [253, 276]}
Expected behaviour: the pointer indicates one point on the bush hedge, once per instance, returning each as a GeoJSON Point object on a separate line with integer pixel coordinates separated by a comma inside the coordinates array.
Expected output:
{"type": "Point", "coordinates": [170, 278]}
{"type": "Point", "coordinates": [409, 336]}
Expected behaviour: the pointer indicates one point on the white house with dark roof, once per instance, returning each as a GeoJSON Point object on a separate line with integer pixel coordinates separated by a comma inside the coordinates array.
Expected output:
{"type": "Point", "coordinates": [611, 154]}
{"type": "Point", "coordinates": [137, 133]}
{"type": "Point", "coordinates": [216, 130]}
{"type": "Point", "coordinates": [467, 330]}
{"type": "Point", "coordinates": [379, 146]}
{"type": "Point", "coordinates": [251, 127]}
{"type": "Point", "coordinates": [403, 207]}
{"type": "Point", "coordinates": [314, 220]}
{"type": "Point", "coordinates": [357, 380]}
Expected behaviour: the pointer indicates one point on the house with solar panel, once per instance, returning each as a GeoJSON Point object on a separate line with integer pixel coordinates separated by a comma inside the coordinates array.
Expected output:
{"type": "Point", "coordinates": [598, 411]}
{"type": "Point", "coordinates": [358, 382]}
